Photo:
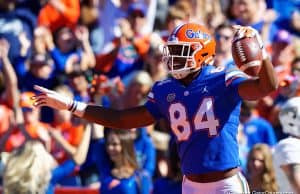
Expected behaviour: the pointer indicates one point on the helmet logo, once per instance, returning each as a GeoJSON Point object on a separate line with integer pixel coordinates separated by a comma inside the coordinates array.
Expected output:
{"type": "Point", "coordinates": [196, 34]}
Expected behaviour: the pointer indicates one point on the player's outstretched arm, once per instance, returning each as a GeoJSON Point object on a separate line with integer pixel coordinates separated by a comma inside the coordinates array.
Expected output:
{"type": "Point", "coordinates": [119, 119]}
{"type": "Point", "coordinates": [266, 81]}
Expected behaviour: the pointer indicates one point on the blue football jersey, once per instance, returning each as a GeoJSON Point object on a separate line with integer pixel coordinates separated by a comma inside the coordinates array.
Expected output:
{"type": "Point", "coordinates": [204, 117]}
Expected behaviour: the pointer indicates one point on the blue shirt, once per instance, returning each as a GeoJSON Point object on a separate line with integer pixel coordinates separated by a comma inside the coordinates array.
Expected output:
{"type": "Point", "coordinates": [204, 117]}
{"type": "Point", "coordinates": [60, 58]}
{"type": "Point", "coordinates": [126, 186]}
{"type": "Point", "coordinates": [145, 151]}
{"type": "Point", "coordinates": [259, 26]}
{"type": "Point", "coordinates": [258, 130]}
{"type": "Point", "coordinates": [127, 61]}
{"type": "Point", "coordinates": [59, 173]}
{"type": "Point", "coordinates": [98, 156]}
{"type": "Point", "coordinates": [12, 24]}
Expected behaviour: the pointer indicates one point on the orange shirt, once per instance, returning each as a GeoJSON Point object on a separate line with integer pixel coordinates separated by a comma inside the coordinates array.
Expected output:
{"type": "Point", "coordinates": [37, 130]}
{"type": "Point", "coordinates": [54, 19]}
{"type": "Point", "coordinates": [142, 44]}
{"type": "Point", "coordinates": [72, 134]}
{"type": "Point", "coordinates": [5, 115]}
{"type": "Point", "coordinates": [15, 140]}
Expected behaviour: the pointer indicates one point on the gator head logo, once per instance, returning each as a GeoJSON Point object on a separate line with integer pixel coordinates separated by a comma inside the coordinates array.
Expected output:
{"type": "Point", "coordinates": [171, 97]}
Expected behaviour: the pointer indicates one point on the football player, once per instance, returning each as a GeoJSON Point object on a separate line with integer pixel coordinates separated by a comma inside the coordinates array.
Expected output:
{"type": "Point", "coordinates": [201, 103]}
{"type": "Point", "coordinates": [286, 153]}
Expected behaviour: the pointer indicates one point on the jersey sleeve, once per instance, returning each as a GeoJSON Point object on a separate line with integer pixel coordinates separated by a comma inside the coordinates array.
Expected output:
{"type": "Point", "coordinates": [288, 151]}
{"type": "Point", "coordinates": [233, 77]}
{"type": "Point", "coordinates": [152, 102]}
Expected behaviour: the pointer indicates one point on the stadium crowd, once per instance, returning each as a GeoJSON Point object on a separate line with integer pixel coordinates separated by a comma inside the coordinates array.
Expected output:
{"type": "Point", "coordinates": [116, 45]}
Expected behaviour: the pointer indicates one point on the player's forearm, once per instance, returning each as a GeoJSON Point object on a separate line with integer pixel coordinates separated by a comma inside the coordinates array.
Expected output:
{"type": "Point", "coordinates": [117, 119]}
{"type": "Point", "coordinates": [267, 77]}
{"type": "Point", "coordinates": [261, 86]}
{"type": "Point", "coordinates": [123, 119]}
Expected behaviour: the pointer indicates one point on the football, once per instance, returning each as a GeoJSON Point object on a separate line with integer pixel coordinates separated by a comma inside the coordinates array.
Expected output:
{"type": "Point", "coordinates": [247, 55]}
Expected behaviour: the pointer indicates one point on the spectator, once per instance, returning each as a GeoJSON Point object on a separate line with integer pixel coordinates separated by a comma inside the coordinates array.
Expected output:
{"type": "Point", "coordinates": [252, 13]}
{"type": "Point", "coordinates": [138, 86]}
{"type": "Point", "coordinates": [295, 71]}
{"type": "Point", "coordinates": [34, 6]}
{"type": "Point", "coordinates": [78, 82]}
{"type": "Point", "coordinates": [121, 177]}
{"type": "Point", "coordinates": [9, 88]}
{"type": "Point", "coordinates": [72, 50]}
{"type": "Point", "coordinates": [282, 53]}
{"type": "Point", "coordinates": [69, 131]}
{"type": "Point", "coordinates": [39, 42]}
{"type": "Point", "coordinates": [34, 127]}
{"type": "Point", "coordinates": [116, 11]}
{"type": "Point", "coordinates": [32, 160]}
{"type": "Point", "coordinates": [110, 9]}
{"type": "Point", "coordinates": [171, 183]}
{"type": "Point", "coordinates": [295, 23]}
{"type": "Point", "coordinates": [223, 35]}
{"type": "Point", "coordinates": [260, 170]}
{"type": "Point", "coordinates": [256, 129]}
{"type": "Point", "coordinates": [295, 68]}
{"type": "Point", "coordinates": [153, 60]}
{"type": "Point", "coordinates": [137, 19]}
{"type": "Point", "coordinates": [288, 15]}
{"type": "Point", "coordinates": [243, 148]}
{"type": "Point", "coordinates": [10, 137]}
{"type": "Point", "coordinates": [126, 56]}
{"type": "Point", "coordinates": [59, 13]}
{"type": "Point", "coordinates": [286, 152]}
{"type": "Point", "coordinates": [91, 170]}
{"type": "Point", "coordinates": [20, 63]}
{"type": "Point", "coordinates": [175, 17]}
{"type": "Point", "coordinates": [41, 71]}
{"type": "Point", "coordinates": [14, 22]}
{"type": "Point", "coordinates": [89, 17]}
{"type": "Point", "coordinates": [286, 90]}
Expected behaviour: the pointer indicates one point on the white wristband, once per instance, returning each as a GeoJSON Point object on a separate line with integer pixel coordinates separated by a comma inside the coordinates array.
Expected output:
{"type": "Point", "coordinates": [265, 54]}
{"type": "Point", "coordinates": [78, 108]}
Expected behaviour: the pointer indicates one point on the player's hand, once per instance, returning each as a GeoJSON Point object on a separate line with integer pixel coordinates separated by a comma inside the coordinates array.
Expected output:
{"type": "Point", "coordinates": [247, 31]}
{"type": "Point", "coordinates": [51, 99]}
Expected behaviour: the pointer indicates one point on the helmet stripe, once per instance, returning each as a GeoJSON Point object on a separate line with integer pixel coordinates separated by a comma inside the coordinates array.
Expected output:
{"type": "Point", "coordinates": [175, 31]}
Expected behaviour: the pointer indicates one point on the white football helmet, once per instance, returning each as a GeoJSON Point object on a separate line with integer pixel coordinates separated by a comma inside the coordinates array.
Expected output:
{"type": "Point", "coordinates": [289, 116]}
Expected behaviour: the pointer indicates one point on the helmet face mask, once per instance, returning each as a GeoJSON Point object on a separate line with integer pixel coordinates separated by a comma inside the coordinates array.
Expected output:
{"type": "Point", "coordinates": [189, 47]}
{"type": "Point", "coordinates": [179, 58]}
{"type": "Point", "coordinates": [289, 117]}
